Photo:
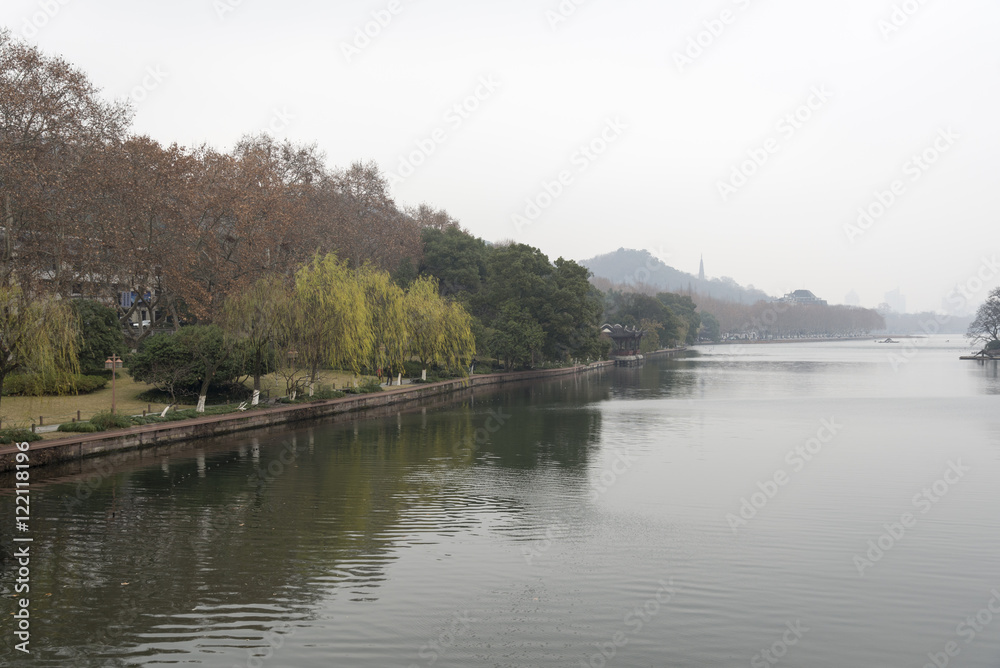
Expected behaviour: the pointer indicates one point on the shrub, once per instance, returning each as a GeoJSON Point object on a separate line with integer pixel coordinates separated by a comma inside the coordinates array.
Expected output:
{"type": "Point", "coordinates": [993, 345]}
{"type": "Point", "coordinates": [326, 394]}
{"type": "Point", "coordinates": [176, 363]}
{"type": "Point", "coordinates": [369, 386]}
{"type": "Point", "coordinates": [222, 394]}
{"type": "Point", "coordinates": [17, 435]}
{"type": "Point", "coordinates": [105, 421]}
{"type": "Point", "coordinates": [88, 384]}
{"type": "Point", "coordinates": [18, 384]}
{"type": "Point", "coordinates": [149, 419]}
{"type": "Point", "coordinates": [100, 334]}
{"type": "Point", "coordinates": [173, 416]}
{"type": "Point", "coordinates": [78, 427]}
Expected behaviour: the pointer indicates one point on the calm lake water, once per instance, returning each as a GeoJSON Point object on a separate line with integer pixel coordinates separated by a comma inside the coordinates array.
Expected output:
{"type": "Point", "coordinates": [821, 504]}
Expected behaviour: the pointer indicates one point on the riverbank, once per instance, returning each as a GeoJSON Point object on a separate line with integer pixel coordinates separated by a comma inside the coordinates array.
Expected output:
{"type": "Point", "coordinates": [739, 342]}
{"type": "Point", "coordinates": [80, 446]}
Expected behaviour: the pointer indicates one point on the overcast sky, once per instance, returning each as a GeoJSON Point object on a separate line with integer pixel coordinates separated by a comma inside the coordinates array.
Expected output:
{"type": "Point", "coordinates": [670, 98]}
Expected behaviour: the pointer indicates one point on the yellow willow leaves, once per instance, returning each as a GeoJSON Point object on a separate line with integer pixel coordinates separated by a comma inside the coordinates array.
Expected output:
{"type": "Point", "coordinates": [458, 345]}
{"type": "Point", "coordinates": [424, 314]}
{"type": "Point", "coordinates": [37, 337]}
{"type": "Point", "coordinates": [333, 322]}
{"type": "Point", "coordinates": [357, 320]}
{"type": "Point", "coordinates": [387, 304]}
{"type": "Point", "coordinates": [440, 331]}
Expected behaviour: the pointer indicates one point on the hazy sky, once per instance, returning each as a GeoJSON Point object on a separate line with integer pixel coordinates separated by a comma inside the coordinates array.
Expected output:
{"type": "Point", "coordinates": [820, 107]}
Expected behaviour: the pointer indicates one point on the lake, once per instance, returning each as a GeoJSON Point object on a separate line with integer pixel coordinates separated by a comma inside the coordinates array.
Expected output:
{"type": "Point", "coordinates": [799, 504]}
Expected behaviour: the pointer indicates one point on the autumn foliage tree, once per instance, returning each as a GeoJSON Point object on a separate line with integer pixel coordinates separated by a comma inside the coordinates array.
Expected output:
{"type": "Point", "coordinates": [169, 235]}
{"type": "Point", "coordinates": [54, 127]}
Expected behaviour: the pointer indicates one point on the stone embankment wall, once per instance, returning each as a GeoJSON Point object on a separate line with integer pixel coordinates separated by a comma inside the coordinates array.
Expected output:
{"type": "Point", "coordinates": [79, 446]}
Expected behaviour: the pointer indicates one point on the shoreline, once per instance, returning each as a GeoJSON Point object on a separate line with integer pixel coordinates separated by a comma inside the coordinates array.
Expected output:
{"type": "Point", "coordinates": [77, 447]}
{"type": "Point", "coordinates": [740, 342]}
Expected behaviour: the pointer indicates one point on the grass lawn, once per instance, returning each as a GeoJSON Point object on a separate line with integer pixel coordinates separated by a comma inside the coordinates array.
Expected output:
{"type": "Point", "coordinates": [22, 411]}
{"type": "Point", "coordinates": [324, 377]}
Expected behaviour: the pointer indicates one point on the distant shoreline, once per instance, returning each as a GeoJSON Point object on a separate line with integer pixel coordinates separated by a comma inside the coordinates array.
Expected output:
{"type": "Point", "coordinates": [739, 342]}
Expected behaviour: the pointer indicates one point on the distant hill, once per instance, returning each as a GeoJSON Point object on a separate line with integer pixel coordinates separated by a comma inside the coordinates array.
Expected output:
{"type": "Point", "coordinates": [637, 267]}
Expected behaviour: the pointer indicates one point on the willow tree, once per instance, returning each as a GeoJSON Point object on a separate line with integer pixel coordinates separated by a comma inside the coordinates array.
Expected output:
{"type": "Point", "coordinates": [332, 323]}
{"type": "Point", "coordinates": [458, 346]}
{"type": "Point", "coordinates": [440, 331]}
{"type": "Point", "coordinates": [257, 318]}
{"type": "Point", "coordinates": [37, 337]}
{"type": "Point", "coordinates": [424, 319]}
{"type": "Point", "coordinates": [386, 303]}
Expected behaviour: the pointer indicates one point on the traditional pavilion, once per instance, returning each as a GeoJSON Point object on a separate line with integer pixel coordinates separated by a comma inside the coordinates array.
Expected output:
{"type": "Point", "coordinates": [625, 344]}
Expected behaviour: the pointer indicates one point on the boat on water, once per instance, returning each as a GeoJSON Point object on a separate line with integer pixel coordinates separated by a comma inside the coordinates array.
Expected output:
{"type": "Point", "coordinates": [887, 341]}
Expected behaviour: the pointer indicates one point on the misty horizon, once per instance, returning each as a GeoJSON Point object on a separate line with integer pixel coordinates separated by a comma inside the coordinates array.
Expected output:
{"type": "Point", "coordinates": [848, 167]}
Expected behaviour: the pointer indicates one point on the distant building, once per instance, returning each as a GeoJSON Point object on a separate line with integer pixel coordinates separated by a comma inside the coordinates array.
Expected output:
{"type": "Point", "coordinates": [852, 299]}
{"type": "Point", "coordinates": [625, 344]}
{"type": "Point", "coordinates": [896, 301]}
{"type": "Point", "coordinates": [799, 297]}
{"type": "Point", "coordinates": [701, 269]}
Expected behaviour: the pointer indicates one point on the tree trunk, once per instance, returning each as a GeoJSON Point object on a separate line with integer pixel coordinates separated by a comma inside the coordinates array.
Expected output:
{"type": "Point", "coordinates": [257, 364]}
{"type": "Point", "coordinates": [203, 393]}
{"type": "Point", "coordinates": [177, 320]}
{"type": "Point", "coordinates": [8, 256]}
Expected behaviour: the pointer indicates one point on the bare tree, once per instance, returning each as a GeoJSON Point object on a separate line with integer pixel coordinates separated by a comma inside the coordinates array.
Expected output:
{"type": "Point", "coordinates": [53, 128]}
{"type": "Point", "coordinates": [985, 327]}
